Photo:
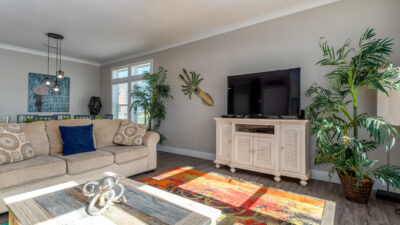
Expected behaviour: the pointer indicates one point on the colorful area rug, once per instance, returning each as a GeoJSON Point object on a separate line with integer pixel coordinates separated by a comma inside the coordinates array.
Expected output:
{"type": "Point", "coordinates": [242, 202]}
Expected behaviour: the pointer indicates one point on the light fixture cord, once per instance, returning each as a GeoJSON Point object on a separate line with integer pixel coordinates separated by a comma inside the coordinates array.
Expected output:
{"type": "Point", "coordinates": [48, 57]}
{"type": "Point", "coordinates": [56, 56]}
{"type": "Point", "coordinates": [60, 54]}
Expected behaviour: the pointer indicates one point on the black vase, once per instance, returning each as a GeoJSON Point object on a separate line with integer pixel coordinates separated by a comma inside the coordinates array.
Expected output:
{"type": "Point", "coordinates": [38, 102]}
{"type": "Point", "coordinates": [95, 106]}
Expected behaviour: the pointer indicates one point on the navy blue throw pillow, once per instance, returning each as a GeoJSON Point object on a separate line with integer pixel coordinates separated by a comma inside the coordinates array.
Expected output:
{"type": "Point", "coordinates": [77, 139]}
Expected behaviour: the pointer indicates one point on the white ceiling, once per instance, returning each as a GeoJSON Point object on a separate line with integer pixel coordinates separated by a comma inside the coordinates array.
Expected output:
{"type": "Point", "coordinates": [108, 30]}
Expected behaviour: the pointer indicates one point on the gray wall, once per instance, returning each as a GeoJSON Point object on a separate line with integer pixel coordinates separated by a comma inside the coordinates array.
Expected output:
{"type": "Point", "coordinates": [14, 70]}
{"type": "Point", "coordinates": [287, 42]}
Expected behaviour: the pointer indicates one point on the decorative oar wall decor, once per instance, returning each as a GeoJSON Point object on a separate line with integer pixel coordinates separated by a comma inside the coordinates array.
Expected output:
{"type": "Point", "coordinates": [191, 85]}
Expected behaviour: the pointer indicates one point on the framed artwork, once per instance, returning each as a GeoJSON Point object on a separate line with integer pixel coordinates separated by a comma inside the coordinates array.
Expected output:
{"type": "Point", "coordinates": [43, 98]}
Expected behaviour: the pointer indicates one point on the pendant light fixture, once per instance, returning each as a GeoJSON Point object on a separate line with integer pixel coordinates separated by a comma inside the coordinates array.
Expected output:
{"type": "Point", "coordinates": [59, 72]}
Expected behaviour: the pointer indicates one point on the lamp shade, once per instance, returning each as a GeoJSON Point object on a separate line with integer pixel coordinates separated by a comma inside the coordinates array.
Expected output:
{"type": "Point", "coordinates": [94, 105]}
{"type": "Point", "coordinates": [60, 75]}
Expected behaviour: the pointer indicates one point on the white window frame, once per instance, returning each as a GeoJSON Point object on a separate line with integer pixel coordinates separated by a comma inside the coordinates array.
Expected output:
{"type": "Point", "coordinates": [130, 79]}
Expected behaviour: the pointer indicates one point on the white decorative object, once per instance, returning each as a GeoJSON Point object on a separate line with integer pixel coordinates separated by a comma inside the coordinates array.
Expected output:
{"type": "Point", "coordinates": [102, 193]}
{"type": "Point", "coordinates": [283, 152]}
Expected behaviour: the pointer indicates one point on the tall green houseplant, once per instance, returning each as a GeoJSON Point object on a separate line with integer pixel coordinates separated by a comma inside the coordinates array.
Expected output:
{"type": "Point", "coordinates": [150, 97]}
{"type": "Point", "coordinates": [336, 121]}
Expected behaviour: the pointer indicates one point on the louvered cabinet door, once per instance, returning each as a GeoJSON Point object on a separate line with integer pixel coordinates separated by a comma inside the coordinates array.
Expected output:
{"type": "Point", "coordinates": [224, 145]}
{"type": "Point", "coordinates": [242, 152]}
{"type": "Point", "coordinates": [291, 149]}
{"type": "Point", "coordinates": [264, 152]}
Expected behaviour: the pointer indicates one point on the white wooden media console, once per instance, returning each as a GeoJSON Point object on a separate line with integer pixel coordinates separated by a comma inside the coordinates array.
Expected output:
{"type": "Point", "coordinates": [281, 149]}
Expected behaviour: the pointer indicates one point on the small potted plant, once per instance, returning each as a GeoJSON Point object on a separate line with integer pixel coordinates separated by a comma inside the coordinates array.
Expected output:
{"type": "Point", "coordinates": [28, 120]}
{"type": "Point", "coordinates": [338, 142]}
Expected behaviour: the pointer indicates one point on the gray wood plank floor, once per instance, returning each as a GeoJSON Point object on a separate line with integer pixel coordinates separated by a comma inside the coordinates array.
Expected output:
{"type": "Point", "coordinates": [347, 213]}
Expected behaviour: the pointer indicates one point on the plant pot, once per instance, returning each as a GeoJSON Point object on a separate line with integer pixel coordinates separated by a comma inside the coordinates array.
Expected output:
{"type": "Point", "coordinates": [354, 194]}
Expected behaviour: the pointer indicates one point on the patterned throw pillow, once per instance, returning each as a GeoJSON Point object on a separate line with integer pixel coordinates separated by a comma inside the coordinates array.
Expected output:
{"type": "Point", "coordinates": [130, 133]}
{"type": "Point", "coordinates": [14, 145]}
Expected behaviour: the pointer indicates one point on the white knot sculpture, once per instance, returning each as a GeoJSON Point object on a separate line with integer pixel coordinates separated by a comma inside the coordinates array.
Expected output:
{"type": "Point", "coordinates": [102, 193]}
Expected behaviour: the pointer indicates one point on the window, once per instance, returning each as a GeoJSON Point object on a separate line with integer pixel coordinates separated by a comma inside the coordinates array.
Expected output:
{"type": "Point", "coordinates": [121, 73]}
{"type": "Point", "coordinates": [140, 69]}
{"type": "Point", "coordinates": [124, 78]}
{"type": "Point", "coordinates": [120, 100]}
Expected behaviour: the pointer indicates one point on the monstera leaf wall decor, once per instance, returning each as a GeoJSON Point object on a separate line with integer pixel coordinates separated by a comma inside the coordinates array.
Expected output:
{"type": "Point", "coordinates": [191, 85]}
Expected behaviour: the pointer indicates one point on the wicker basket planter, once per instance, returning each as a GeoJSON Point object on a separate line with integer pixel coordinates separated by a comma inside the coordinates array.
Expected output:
{"type": "Point", "coordinates": [354, 194]}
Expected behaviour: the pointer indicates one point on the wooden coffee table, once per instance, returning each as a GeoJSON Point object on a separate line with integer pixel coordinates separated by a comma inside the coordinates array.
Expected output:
{"type": "Point", "coordinates": [65, 204]}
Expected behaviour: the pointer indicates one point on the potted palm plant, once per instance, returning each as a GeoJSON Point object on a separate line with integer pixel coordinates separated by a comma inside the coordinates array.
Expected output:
{"type": "Point", "coordinates": [150, 98]}
{"type": "Point", "coordinates": [336, 121]}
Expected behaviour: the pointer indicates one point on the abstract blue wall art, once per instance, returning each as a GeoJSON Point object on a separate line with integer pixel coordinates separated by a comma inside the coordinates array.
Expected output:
{"type": "Point", "coordinates": [42, 98]}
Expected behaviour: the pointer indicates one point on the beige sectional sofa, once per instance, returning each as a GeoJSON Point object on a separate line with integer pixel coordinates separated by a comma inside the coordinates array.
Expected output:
{"type": "Point", "coordinates": [50, 167]}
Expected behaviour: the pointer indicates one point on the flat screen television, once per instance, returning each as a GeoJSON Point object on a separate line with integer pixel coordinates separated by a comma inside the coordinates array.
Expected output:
{"type": "Point", "coordinates": [275, 93]}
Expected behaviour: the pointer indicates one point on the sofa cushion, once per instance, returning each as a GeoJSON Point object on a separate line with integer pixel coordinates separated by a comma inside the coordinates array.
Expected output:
{"type": "Point", "coordinates": [86, 161]}
{"type": "Point", "coordinates": [77, 139]}
{"type": "Point", "coordinates": [130, 133]}
{"type": "Point", "coordinates": [104, 132]}
{"type": "Point", "coordinates": [124, 154]}
{"type": "Point", "coordinates": [37, 136]}
{"type": "Point", "coordinates": [40, 167]}
{"type": "Point", "coordinates": [14, 145]}
{"type": "Point", "coordinates": [53, 132]}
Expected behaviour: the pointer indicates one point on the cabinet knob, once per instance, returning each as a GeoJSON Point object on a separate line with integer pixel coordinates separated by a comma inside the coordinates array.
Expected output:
{"type": "Point", "coordinates": [282, 147]}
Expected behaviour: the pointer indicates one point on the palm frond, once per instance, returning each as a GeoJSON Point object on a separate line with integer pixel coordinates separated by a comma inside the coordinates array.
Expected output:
{"type": "Point", "coordinates": [332, 57]}
{"type": "Point", "coordinates": [382, 131]}
{"type": "Point", "coordinates": [387, 174]}
{"type": "Point", "coordinates": [367, 35]}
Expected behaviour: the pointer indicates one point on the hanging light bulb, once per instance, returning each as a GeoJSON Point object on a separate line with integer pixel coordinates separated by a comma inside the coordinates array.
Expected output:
{"type": "Point", "coordinates": [48, 82]}
{"type": "Point", "coordinates": [60, 75]}
{"type": "Point", "coordinates": [56, 88]}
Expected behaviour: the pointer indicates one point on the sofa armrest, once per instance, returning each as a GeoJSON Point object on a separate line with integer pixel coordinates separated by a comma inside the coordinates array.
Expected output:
{"type": "Point", "coordinates": [151, 140]}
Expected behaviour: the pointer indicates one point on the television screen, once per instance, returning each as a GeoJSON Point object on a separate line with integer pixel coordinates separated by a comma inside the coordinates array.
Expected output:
{"type": "Point", "coordinates": [275, 93]}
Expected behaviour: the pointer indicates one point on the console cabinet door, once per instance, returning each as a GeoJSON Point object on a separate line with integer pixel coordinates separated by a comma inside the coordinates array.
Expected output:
{"type": "Point", "coordinates": [242, 152]}
{"type": "Point", "coordinates": [224, 144]}
{"type": "Point", "coordinates": [264, 152]}
{"type": "Point", "coordinates": [291, 149]}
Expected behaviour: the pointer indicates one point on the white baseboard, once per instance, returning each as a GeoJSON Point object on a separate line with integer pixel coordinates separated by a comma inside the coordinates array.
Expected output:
{"type": "Point", "coordinates": [316, 174]}
{"type": "Point", "coordinates": [187, 152]}
{"type": "Point", "coordinates": [322, 175]}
